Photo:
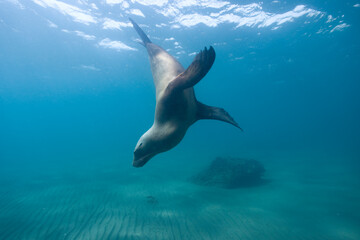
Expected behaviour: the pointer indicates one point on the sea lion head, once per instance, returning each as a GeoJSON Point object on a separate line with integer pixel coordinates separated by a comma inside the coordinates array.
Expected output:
{"type": "Point", "coordinates": [146, 148]}
{"type": "Point", "coordinates": [156, 140]}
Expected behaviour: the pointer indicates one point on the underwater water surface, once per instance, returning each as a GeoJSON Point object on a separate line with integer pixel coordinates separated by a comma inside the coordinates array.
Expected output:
{"type": "Point", "coordinates": [76, 93]}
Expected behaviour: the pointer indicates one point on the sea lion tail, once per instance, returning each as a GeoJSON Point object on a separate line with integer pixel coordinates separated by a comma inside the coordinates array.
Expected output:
{"type": "Point", "coordinates": [141, 33]}
{"type": "Point", "coordinates": [208, 112]}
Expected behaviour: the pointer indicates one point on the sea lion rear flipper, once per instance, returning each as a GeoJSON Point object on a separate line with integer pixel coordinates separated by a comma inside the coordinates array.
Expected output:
{"type": "Point", "coordinates": [195, 72]}
{"type": "Point", "coordinates": [208, 112]}
{"type": "Point", "coordinates": [141, 33]}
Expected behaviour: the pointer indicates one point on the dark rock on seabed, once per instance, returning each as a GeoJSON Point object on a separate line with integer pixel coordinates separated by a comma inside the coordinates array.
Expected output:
{"type": "Point", "coordinates": [231, 173]}
{"type": "Point", "coordinates": [151, 200]}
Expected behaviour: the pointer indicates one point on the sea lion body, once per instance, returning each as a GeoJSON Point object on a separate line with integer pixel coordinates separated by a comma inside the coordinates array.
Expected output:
{"type": "Point", "coordinates": [176, 105]}
{"type": "Point", "coordinates": [166, 68]}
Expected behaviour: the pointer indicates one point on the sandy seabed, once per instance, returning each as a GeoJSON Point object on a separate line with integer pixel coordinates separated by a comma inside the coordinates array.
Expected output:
{"type": "Point", "coordinates": [109, 203]}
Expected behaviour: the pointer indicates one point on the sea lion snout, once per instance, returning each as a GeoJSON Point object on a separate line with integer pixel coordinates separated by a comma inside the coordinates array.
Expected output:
{"type": "Point", "coordinates": [140, 161]}
{"type": "Point", "coordinates": [137, 164]}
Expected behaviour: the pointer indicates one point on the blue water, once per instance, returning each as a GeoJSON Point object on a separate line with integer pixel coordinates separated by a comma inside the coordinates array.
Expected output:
{"type": "Point", "coordinates": [76, 93]}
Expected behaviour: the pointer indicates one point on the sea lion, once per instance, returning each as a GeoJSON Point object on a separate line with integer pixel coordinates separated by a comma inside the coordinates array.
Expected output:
{"type": "Point", "coordinates": [176, 105]}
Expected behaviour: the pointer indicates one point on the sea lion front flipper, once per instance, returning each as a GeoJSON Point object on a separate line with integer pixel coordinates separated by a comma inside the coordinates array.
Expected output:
{"type": "Point", "coordinates": [208, 112]}
{"type": "Point", "coordinates": [195, 72]}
